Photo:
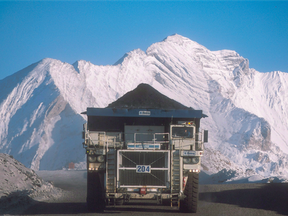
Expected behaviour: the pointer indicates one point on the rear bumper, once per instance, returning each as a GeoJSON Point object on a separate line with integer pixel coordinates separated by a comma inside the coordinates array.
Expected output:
{"type": "Point", "coordinates": [148, 196]}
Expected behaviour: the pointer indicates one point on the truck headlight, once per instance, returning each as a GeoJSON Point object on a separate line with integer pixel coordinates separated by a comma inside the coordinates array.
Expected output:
{"type": "Point", "coordinates": [186, 160]}
{"type": "Point", "coordinates": [96, 158]}
{"type": "Point", "coordinates": [190, 160]}
{"type": "Point", "coordinates": [100, 158]}
{"type": "Point", "coordinates": [92, 158]}
{"type": "Point", "coordinates": [195, 160]}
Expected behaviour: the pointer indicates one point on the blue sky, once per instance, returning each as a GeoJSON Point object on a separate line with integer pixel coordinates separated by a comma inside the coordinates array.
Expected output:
{"type": "Point", "coordinates": [103, 31]}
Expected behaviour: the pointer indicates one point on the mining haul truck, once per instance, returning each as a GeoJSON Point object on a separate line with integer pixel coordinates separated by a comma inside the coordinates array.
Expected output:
{"type": "Point", "coordinates": [143, 154]}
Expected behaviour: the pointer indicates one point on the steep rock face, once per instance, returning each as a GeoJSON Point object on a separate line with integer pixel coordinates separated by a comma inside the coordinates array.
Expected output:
{"type": "Point", "coordinates": [30, 115]}
{"type": "Point", "coordinates": [260, 137]}
{"type": "Point", "coordinates": [41, 105]}
{"type": "Point", "coordinates": [265, 95]}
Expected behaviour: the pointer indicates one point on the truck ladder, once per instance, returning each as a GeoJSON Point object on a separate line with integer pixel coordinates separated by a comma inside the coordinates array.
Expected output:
{"type": "Point", "coordinates": [110, 171]}
{"type": "Point", "coordinates": [175, 172]}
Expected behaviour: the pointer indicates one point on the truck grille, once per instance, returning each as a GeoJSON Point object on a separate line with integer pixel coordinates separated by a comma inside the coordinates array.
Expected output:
{"type": "Point", "coordinates": [158, 160]}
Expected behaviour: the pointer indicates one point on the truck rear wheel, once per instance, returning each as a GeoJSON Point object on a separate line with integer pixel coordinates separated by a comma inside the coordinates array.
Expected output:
{"type": "Point", "coordinates": [95, 192]}
{"type": "Point", "coordinates": [189, 204]}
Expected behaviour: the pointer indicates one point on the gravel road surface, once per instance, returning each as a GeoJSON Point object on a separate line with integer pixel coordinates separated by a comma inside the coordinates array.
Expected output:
{"type": "Point", "coordinates": [225, 199]}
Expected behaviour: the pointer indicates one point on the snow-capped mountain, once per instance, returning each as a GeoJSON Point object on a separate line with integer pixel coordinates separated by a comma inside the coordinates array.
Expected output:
{"type": "Point", "coordinates": [40, 106]}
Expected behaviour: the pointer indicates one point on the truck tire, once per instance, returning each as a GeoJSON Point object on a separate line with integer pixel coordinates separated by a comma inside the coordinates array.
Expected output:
{"type": "Point", "coordinates": [189, 204]}
{"type": "Point", "coordinates": [95, 192]}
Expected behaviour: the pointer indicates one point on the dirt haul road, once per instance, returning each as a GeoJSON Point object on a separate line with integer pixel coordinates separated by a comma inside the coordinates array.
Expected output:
{"type": "Point", "coordinates": [227, 199]}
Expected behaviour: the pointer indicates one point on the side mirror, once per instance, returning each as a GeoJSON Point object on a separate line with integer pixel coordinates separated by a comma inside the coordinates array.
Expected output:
{"type": "Point", "coordinates": [205, 136]}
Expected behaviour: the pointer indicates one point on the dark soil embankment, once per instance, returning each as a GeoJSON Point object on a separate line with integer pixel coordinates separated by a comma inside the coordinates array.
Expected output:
{"type": "Point", "coordinates": [146, 97]}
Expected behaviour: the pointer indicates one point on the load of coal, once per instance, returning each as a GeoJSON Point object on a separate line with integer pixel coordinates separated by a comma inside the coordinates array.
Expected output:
{"type": "Point", "coordinates": [145, 97]}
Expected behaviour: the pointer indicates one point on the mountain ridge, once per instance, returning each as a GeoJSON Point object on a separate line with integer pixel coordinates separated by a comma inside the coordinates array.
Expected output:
{"type": "Point", "coordinates": [246, 108]}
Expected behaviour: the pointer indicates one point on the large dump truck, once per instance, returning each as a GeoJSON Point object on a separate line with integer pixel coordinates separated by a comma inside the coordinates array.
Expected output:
{"type": "Point", "coordinates": [143, 154]}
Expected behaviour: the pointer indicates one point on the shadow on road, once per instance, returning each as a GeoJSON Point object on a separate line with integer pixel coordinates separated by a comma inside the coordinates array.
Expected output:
{"type": "Point", "coordinates": [10, 204]}
{"type": "Point", "coordinates": [273, 197]}
{"type": "Point", "coordinates": [143, 207]}
{"type": "Point", "coordinates": [56, 208]}
{"type": "Point", "coordinates": [69, 208]}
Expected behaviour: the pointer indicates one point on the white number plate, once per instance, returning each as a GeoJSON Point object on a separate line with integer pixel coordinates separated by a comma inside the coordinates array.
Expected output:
{"type": "Point", "coordinates": [143, 169]}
